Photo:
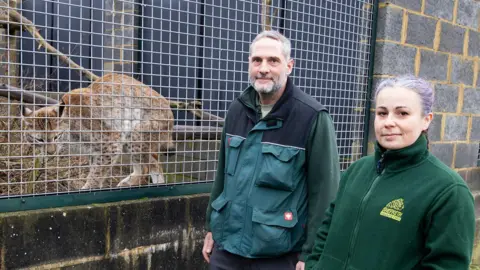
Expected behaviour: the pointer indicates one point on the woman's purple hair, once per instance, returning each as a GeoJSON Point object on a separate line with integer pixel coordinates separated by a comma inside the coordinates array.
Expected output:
{"type": "Point", "coordinates": [420, 86]}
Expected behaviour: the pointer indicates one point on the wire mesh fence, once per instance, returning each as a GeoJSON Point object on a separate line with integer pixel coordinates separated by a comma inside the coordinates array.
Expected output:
{"type": "Point", "coordinates": [102, 94]}
{"type": "Point", "coordinates": [478, 158]}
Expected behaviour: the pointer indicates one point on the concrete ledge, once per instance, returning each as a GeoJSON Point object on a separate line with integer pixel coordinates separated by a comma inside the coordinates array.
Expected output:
{"type": "Point", "coordinates": [161, 233]}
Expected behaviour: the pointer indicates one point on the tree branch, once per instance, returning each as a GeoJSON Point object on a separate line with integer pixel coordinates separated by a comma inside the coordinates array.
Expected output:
{"type": "Point", "coordinates": [192, 107]}
{"type": "Point", "coordinates": [7, 24]}
{"type": "Point", "coordinates": [25, 96]}
{"type": "Point", "coordinates": [12, 13]}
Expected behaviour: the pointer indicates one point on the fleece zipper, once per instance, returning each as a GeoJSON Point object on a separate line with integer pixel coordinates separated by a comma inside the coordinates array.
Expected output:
{"type": "Point", "coordinates": [380, 167]}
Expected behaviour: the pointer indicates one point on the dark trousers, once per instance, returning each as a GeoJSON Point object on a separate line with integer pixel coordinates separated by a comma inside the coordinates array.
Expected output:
{"type": "Point", "coordinates": [224, 260]}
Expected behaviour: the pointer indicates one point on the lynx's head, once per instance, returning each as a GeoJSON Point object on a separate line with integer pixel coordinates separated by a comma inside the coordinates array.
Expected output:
{"type": "Point", "coordinates": [42, 127]}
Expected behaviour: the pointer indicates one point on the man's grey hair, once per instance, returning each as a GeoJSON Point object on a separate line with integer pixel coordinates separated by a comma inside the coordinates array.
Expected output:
{"type": "Point", "coordinates": [420, 86]}
{"type": "Point", "coordinates": [286, 45]}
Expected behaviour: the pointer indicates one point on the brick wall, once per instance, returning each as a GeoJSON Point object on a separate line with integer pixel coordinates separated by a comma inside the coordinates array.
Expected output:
{"type": "Point", "coordinates": [438, 40]}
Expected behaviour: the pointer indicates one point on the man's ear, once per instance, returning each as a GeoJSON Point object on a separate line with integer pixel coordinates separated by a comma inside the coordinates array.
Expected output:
{"type": "Point", "coordinates": [290, 64]}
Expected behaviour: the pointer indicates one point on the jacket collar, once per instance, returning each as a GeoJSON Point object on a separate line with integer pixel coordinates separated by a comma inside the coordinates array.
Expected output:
{"type": "Point", "coordinates": [279, 111]}
{"type": "Point", "coordinates": [401, 159]}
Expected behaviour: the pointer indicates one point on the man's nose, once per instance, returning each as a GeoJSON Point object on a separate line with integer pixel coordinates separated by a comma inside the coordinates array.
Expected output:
{"type": "Point", "coordinates": [264, 68]}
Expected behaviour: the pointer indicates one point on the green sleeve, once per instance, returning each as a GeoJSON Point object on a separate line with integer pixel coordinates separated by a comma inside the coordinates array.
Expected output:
{"type": "Point", "coordinates": [320, 240]}
{"type": "Point", "coordinates": [323, 174]}
{"type": "Point", "coordinates": [217, 187]}
{"type": "Point", "coordinates": [322, 232]}
{"type": "Point", "coordinates": [450, 229]}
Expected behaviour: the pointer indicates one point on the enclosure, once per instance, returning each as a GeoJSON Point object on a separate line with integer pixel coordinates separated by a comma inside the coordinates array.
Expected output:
{"type": "Point", "coordinates": [57, 57]}
{"type": "Point", "coordinates": [68, 125]}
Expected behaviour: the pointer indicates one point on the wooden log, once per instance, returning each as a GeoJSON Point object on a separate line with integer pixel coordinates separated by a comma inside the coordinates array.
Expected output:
{"type": "Point", "coordinates": [185, 133]}
{"type": "Point", "coordinates": [25, 96]}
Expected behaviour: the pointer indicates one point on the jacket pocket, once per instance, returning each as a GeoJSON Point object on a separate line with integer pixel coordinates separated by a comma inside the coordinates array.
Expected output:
{"type": "Point", "coordinates": [217, 217]}
{"type": "Point", "coordinates": [233, 150]}
{"type": "Point", "coordinates": [278, 167]}
{"type": "Point", "coordinates": [272, 232]}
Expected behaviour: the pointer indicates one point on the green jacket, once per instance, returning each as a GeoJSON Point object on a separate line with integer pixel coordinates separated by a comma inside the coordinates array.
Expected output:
{"type": "Point", "coordinates": [397, 210]}
{"type": "Point", "coordinates": [275, 178]}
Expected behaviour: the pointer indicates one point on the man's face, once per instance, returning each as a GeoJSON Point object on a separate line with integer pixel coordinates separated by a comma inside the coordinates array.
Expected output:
{"type": "Point", "coordinates": [268, 68]}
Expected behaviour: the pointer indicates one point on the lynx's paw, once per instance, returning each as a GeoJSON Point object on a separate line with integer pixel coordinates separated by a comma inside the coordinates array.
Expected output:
{"type": "Point", "coordinates": [131, 180]}
{"type": "Point", "coordinates": [157, 178]}
{"type": "Point", "coordinates": [90, 185]}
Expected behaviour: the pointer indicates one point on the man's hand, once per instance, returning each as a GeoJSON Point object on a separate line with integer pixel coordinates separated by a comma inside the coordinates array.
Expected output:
{"type": "Point", "coordinates": [208, 246]}
{"type": "Point", "coordinates": [300, 266]}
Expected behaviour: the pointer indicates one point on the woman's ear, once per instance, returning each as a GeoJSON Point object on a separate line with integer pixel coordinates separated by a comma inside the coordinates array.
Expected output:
{"type": "Point", "coordinates": [427, 120]}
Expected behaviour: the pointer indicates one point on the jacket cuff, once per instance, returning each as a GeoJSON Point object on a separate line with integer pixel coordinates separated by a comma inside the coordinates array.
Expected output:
{"type": "Point", "coordinates": [302, 257]}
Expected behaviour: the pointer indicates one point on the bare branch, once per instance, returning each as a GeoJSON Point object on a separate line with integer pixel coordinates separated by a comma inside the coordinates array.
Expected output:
{"type": "Point", "coordinates": [34, 32]}
{"type": "Point", "coordinates": [25, 96]}
{"type": "Point", "coordinates": [6, 23]}
{"type": "Point", "coordinates": [181, 133]}
{"type": "Point", "coordinates": [192, 107]}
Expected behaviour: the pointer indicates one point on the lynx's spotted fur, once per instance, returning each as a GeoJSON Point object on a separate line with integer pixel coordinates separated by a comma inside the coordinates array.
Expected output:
{"type": "Point", "coordinates": [115, 115]}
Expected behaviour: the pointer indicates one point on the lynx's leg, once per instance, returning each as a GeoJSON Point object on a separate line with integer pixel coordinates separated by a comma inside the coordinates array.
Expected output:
{"type": "Point", "coordinates": [102, 156]}
{"type": "Point", "coordinates": [96, 174]}
{"type": "Point", "coordinates": [133, 179]}
{"type": "Point", "coordinates": [144, 149]}
{"type": "Point", "coordinates": [156, 171]}
{"type": "Point", "coordinates": [139, 158]}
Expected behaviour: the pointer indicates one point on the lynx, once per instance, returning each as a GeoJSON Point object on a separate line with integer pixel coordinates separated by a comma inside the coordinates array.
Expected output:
{"type": "Point", "coordinates": [115, 115]}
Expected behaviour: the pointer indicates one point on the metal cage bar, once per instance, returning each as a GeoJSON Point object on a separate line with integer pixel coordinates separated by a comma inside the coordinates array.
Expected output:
{"type": "Point", "coordinates": [154, 78]}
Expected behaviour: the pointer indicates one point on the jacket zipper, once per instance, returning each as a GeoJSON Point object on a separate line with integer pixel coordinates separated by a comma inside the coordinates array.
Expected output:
{"type": "Point", "coordinates": [379, 169]}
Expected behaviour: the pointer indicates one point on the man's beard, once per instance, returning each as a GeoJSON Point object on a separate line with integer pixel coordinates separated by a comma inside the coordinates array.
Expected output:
{"type": "Point", "coordinates": [267, 90]}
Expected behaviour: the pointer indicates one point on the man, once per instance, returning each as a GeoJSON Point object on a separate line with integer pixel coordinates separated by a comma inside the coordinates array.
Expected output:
{"type": "Point", "coordinates": [277, 171]}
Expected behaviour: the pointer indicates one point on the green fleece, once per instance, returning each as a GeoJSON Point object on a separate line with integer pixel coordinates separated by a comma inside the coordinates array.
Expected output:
{"type": "Point", "coordinates": [397, 210]}
{"type": "Point", "coordinates": [323, 176]}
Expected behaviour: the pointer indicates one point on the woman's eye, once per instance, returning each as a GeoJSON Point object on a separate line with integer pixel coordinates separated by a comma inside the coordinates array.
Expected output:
{"type": "Point", "coordinates": [381, 113]}
{"type": "Point", "coordinates": [404, 113]}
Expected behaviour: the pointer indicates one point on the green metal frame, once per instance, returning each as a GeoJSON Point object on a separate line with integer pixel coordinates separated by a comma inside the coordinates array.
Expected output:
{"type": "Point", "coordinates": [370, 77]}
{"type": "Point", "coordinates": [101, 196]}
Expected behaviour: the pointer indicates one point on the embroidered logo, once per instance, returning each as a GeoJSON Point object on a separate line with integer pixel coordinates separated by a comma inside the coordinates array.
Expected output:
{"type": "Point", "coordinates": [288, 216]}
{"type": "Point", "coordinates": [393, 210]}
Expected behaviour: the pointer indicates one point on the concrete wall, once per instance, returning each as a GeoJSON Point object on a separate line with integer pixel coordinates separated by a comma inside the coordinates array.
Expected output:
{"type": "Point", "coordinates": [439, 40]}
{"type": "Point", "coordinates": [164, 233]}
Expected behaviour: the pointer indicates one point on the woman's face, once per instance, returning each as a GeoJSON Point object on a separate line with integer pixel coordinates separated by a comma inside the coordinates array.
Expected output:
{"type": "Point", "coordinates": [399, 118]}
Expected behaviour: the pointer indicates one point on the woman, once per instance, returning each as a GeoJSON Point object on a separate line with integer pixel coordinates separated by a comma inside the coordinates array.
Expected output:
{"type": "Point", "coordinates": [401, 208]}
